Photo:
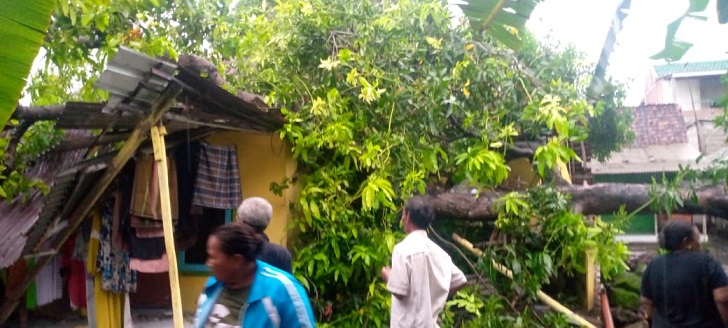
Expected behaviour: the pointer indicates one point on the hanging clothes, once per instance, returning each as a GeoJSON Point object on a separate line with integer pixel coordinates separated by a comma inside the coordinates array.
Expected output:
{"type": "Point", "coordinates": [151, 266]}
{"type": "Point", "coordinates": [218, 178]}
{"type": "Point", "coordinates": [49, 284]}
{"type": "Point", "coordinates": [90, 301]}
{"type": "Point", "coordinates": [107, 307]}
{"type": "Point", "coordinates": [15, 275]}
{"type": "Point", "coordinates": [76, 273]}
{"type": "Point", "coordinates": [186, 158]}
{"type": "Point", "coordinates": [146, 200]}
{"type": "Point", "coordinates": [146, 248]}
{"type": "Point", "coordinates": [139, 248]}
{"type": "Point", "coordinates": [149, 232]}
{"type": "Point", "coordinates": [113, 260]}
{"type": "Point", "coordinates": [141, 222]}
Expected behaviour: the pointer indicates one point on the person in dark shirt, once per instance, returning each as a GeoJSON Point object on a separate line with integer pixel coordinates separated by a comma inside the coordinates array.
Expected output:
{"type": "Point", "coordinates": [257, 212]}
{"type": "Point", "coordinates": [685, 287]}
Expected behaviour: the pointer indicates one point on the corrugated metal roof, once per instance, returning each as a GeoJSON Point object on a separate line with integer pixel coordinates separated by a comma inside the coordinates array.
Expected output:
{"type": "Point", "coordinates": [654, 158]}
{"type": "Point", "coordinates": [129, 79]}
{"type": "Point", "coordinates": [691, 67]}
{"type": "Point", "coordinates": [19, 217]}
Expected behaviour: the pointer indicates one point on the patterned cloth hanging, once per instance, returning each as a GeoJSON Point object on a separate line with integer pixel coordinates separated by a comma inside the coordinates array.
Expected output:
{"type": "Point", "coordinates": [218, 178]}
{"type": "Point", "coordinates": [113, 259]}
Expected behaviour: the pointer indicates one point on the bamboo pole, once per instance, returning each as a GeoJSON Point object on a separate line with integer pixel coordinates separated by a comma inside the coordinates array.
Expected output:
{"type": "Point", "coordinates": [540, 295]}
{"type": "Point", "coordinates": [160, 158]}
{"type": "Point", "coordinates": [590, 279]}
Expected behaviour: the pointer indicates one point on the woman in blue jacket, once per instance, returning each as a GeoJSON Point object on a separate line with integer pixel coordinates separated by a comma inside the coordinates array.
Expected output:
{"type": "Point", "coordinates": [245, 292]}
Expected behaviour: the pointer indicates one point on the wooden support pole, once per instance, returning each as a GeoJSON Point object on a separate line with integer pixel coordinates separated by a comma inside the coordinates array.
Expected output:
{"type": "Point", "coordinates": [159, 107]}
{"type": "Point", "coordinates": [160, 159]}
{"type": "Point", "coordinates": [591, 277]}
{"type": "Point", "coordinates": [543, 297]}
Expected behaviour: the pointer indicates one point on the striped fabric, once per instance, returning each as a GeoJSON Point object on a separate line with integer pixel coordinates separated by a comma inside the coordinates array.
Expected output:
{"type": "Point", "coordinates": [218, 178]}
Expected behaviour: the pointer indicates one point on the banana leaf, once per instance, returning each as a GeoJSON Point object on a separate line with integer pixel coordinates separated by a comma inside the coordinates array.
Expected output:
{"type": "Point", "coordinates": [501, 19]}
{"type": "Point", "coordinates": [23, 26]}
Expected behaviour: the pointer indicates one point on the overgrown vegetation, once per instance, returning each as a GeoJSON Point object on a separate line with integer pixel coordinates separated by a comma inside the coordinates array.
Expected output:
{"type": "Point", "coordinates": [388, 99]}
{"type": "Point", "coordinates": [383, 99]}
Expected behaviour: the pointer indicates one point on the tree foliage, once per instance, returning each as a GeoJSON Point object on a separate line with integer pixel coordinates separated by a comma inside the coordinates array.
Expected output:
{"type": "Point", "coordinates": [383, 100]}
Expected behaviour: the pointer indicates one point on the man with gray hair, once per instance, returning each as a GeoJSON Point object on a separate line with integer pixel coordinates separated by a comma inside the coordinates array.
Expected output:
{"type": "Point", "coordinates": [257, 212]}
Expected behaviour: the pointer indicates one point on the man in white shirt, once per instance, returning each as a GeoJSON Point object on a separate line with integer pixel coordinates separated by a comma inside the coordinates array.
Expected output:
{"type": "Point", "coordinates": [422, 274]}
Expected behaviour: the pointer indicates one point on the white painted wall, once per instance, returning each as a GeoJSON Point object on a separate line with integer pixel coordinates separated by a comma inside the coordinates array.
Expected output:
{"type": "Point", "coordinates": [682, 93]}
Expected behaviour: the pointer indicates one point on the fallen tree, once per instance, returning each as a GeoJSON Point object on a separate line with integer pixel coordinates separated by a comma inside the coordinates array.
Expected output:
{"type": "Point", "coordinates": [603, 198]}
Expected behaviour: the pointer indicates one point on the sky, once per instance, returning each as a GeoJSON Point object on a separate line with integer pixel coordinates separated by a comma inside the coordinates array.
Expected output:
{"type": "Point", "coordinates": [584, 24]}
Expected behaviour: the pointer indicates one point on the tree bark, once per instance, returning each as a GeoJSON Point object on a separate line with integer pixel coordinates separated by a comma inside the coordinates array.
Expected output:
{"type": "Point", "coordinates": [603, 198]}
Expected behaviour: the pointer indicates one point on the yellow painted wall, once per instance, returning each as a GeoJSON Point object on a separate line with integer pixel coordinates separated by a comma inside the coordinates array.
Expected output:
{"type": "Point", "coordinates": [522, 175]}
{"type": "Point", "coordinates": [263, 158]}
{"type": "Point", "coordinates": [190, 289]}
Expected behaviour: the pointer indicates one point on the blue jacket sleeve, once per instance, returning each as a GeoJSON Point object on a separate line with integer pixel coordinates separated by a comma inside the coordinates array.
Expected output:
{"type": "Point", "coordinates": [295, 309]}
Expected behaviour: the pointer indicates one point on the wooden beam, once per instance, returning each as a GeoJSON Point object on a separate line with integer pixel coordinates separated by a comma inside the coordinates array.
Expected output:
{"type": "Point", "coordinates": [160, 159]}
{"type": "Point", "coordinates": [159, 107]}
{"type": "Point", "coordinates": [86, 142]}
{"type": "Point", "coordinates": [40, 113]}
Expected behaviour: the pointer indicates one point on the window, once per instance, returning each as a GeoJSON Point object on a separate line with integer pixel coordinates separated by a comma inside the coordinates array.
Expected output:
{"type": "Point", "coordinates": [711, 90]}
{"type": "Point", "coordinates": [192, 260]}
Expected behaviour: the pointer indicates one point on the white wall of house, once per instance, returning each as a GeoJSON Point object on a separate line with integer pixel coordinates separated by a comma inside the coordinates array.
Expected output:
{"type": "Point", "coordinates": [686, 93]}
{"type": "Point", "coordinates": [705, 91]}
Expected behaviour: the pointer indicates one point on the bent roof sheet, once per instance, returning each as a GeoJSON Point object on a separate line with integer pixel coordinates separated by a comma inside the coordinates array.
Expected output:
{"type": "Point", "coordinates": [19, 217]}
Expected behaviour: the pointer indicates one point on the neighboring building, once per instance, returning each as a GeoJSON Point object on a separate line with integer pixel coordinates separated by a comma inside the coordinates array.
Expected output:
{"type": "Point", "coordinates": [696, 88]}
{"type": "Point", "coordinates": [661, 146]}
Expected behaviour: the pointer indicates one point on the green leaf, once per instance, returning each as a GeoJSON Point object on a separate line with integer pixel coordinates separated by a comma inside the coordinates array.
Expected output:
{"type": "Point", "coordinates": [497, 17]}
{"type": "Point", "coordinates": [675, 49]}
{"type": "Point", "coordinates": [314, 210]}
{"type": "Point", "coordinates": [23, 26]}
{"type": "Point", "coordinates": [86, 19]}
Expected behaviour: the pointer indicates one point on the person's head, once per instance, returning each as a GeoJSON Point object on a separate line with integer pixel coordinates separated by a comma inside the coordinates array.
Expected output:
{"type": "Point", "coordinates": [680, 235]}
{"type": "Point", "coordinates": [255, 212]}
{"type": "Point", "coordinates": [231, 248]}
{"type": "Point", "coordinates": [417, 214]}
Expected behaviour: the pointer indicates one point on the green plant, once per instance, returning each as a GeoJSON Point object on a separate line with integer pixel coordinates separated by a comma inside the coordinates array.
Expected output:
{"type": "Point", "coordinates": [547, 241]}
{"type": "Point", "coordinates": [36, 141]}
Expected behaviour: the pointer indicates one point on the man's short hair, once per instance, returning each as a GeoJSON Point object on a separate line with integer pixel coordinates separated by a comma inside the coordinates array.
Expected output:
{"type": "Point", "coordinates": [420, 212]}
{"type": "Point", "coordinates": [256, 212]}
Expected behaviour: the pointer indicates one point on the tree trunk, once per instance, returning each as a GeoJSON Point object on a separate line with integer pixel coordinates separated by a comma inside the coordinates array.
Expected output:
{"type": "Point", "coordinates": [603, 198]}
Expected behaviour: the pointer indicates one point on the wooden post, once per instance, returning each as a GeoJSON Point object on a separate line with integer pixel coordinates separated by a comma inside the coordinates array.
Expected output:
{"type": "Point", "coordinates": [159, 107]}
{"type": "Point", "coordinates": [160, 159]}
{"type": "Point", "coordinates": [590, 279]}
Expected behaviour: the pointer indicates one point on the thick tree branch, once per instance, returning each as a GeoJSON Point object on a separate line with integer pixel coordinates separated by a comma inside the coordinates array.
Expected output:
{"type": "Point", "coordinates": [605, 198]}
{"type": "Point", "coordinates": [12, 147]}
